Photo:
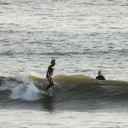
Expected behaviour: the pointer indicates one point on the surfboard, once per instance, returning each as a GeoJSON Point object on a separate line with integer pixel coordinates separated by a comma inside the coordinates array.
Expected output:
{"type": "Point", "coordinates": [45, 93]}
{"type": "Point", "coordinates": [40, 88]}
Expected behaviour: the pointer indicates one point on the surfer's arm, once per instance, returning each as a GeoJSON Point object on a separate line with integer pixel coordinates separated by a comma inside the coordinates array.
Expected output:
{"type": "Point", "coordinates": [48, 72]}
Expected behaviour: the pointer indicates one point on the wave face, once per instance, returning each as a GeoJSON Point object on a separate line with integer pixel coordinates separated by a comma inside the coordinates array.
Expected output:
{"type": "Point", "coordinates": [82, 87]}
{"type": "Point", "coordinates": [69, 92]}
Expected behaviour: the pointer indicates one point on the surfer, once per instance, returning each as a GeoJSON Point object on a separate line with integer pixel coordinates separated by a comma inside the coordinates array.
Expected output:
{"type": "Point", "coordinates": [50, 73]}
{"type": "Point", "coordinates": [100, 76]}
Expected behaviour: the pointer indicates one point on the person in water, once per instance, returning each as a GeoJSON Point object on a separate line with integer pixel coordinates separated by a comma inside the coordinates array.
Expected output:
{"type": "Point", "coordinates": [100, 76]}
{"type": "Point", "coordinates": [49, 74]}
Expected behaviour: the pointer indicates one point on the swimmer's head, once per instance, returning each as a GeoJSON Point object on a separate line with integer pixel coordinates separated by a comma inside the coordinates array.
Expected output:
{"type": "Point", "coordinates": [99, 73]}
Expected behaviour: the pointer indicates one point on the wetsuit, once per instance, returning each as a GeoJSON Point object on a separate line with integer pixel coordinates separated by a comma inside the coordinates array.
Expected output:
{"type": "Point", "coordinates": [48, 76]}
{"type": "Point", "coordinates": [100, 77]}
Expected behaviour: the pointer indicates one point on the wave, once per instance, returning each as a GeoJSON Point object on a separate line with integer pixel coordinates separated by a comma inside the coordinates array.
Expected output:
{"type": "Point", "coordinates": [80, 87]}
{"type": "Point", "coordinates": [71, 87]}
{"type": "Point", "coordinates": [78, 91]}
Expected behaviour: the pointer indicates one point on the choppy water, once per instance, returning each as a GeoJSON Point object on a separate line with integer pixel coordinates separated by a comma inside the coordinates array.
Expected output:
{"type": "Point", "coordinates": [84, 37]}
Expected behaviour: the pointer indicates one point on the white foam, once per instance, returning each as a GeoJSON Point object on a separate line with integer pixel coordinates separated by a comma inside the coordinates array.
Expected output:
{"type": "Point", "coordinates": [28, 92]}
{"type": "Point", "coordinates": [24, 76]}
{"type": "Point", "coordinates": [22, 88]}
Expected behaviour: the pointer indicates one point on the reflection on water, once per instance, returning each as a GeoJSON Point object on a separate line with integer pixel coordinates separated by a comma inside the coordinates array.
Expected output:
{"type": "Point", "coordinates": [47, 103]}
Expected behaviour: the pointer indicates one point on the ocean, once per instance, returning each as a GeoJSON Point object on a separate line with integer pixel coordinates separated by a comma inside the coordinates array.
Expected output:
{"type": "Point", "coordinates": [84, 37]}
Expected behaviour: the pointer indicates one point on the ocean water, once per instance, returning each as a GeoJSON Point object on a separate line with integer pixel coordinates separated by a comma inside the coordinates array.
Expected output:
{"type": "Point", "coordinates": [84, 37]}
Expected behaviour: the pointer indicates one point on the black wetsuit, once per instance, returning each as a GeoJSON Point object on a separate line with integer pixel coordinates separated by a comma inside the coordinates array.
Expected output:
{"type": "Point", "coordinates": [48, 76]}
{"type": "Point", "coordinates": [100, 77]}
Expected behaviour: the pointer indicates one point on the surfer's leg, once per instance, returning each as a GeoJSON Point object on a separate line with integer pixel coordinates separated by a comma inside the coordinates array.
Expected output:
{"type": "Point", "coordinates": [50, 85]}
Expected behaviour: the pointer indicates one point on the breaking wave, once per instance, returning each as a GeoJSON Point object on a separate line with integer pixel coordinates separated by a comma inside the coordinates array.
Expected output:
{"type": "Point", "coordinates": [73, 87]}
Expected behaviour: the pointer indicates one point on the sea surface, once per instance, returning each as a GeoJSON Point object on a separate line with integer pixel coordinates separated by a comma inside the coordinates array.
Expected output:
{"type": "Point", "coordinates": [84, 37]}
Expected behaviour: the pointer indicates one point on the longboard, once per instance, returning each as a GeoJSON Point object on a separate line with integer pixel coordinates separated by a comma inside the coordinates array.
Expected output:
{"type": "Point", "coordinates": [45, 93]}
{"type": "Point", "coordinates": [41, 89]}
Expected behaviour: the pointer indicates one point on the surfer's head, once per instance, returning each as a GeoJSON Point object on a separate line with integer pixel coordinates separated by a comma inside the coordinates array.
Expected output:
{"type": "Point", "coordinates": [53, 62]}
{"type": "Point", "coordinates": [99, 73]}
